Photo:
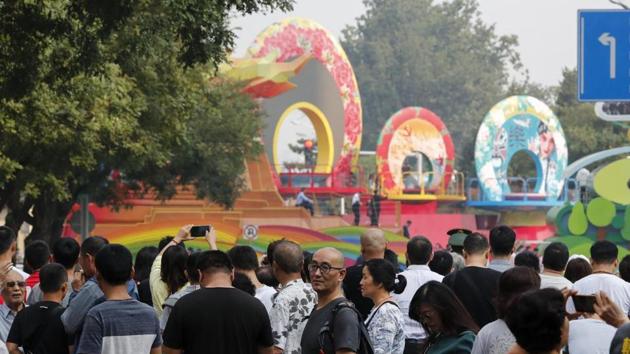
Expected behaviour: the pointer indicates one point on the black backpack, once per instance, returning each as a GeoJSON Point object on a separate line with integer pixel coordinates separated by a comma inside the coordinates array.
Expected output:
{"type": "Point", "coordinates": [328, 330]}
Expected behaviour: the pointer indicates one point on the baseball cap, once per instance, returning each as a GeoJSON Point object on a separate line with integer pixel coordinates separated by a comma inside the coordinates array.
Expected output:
{"type": "Point", "coordinates": [457, 236]}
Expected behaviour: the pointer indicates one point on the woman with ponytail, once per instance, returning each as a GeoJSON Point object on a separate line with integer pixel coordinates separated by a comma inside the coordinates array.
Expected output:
{"type": "Point", "coordinates": [385, 322]}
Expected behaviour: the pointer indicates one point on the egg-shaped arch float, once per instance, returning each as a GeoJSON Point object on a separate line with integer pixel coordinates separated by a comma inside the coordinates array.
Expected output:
{"type": "Point", "coordinates": [520, 123]}
{"type": "Point", "coordinates": [325, 90]}
{"type": "Point", "coordinates": [414, 131]}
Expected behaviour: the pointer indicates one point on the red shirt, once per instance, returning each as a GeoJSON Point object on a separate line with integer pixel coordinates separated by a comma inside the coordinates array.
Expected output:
{"type": "Point", "coordinates": [32, 280]}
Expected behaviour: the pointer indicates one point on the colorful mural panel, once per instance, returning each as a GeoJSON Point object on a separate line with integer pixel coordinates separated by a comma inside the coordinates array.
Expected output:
{"type": "Point", "coordinates": [414, 131]}
{"type": "Point", "coordinates": [520, 123]}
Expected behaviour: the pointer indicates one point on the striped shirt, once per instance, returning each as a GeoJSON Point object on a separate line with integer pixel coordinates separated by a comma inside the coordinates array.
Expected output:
{"type": "Point", "coordinates": [120, 327]}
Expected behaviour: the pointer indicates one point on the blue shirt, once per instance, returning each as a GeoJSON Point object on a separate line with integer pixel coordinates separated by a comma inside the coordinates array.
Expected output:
{"type": "Point", "coordinates": [500, 265]}
{"type": "Point", "coordinates": [301, 198]}
{"type": "Point", "coordinates": [6, 320]}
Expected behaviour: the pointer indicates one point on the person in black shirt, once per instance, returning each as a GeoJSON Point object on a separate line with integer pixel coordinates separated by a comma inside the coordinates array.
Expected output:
{"type": "Point", "coordinates": [475, 285]}
{"type": "Point", "coordinates": [38, 328]}
{"type": "Point", "coordinates": [373, 246]}
{"type": "Point", "coordinates": [442, 262]}
{"type": "Point", "coordinates": [327, 273]}
{"type": "Point", "coordinates": [405, 229]}
{"type": "Point", "coordinates": [217, 318]}
{"type": "Point", "coordinates": [375, 208]}
{"type": "Point", "coordinates": [142, 267]}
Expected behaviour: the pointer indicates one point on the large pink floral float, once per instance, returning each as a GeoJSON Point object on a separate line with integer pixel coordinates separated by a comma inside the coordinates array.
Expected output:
{"type": "Point", "coordinates": [294, 38]}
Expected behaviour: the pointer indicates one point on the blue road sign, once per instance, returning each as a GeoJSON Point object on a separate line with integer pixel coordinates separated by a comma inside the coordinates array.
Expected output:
{"type": "Point", "coordinates": [604, 55]}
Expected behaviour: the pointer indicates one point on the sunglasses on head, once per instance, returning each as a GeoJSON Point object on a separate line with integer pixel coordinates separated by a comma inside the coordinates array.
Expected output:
{"type": "Point", "coordinates": [11, 284]}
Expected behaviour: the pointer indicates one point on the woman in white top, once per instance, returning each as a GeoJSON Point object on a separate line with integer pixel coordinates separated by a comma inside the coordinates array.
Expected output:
{"type": "Point", "coordinates": [385, 322]}
{"type": "Point", "coordinates": [495, 337]}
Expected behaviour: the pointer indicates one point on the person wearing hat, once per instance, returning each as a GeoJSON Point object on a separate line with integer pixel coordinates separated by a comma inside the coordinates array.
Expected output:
{"type": "Point", "coordinates": [456, 246]}
{"type": "Point", "coordinates": [456, 240]}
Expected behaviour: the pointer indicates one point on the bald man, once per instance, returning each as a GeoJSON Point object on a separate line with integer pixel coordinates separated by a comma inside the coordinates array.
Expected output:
{"type": "Point", "coordinates": [327, 273]}
{"type": "Point", "coordinates": [373, 246]}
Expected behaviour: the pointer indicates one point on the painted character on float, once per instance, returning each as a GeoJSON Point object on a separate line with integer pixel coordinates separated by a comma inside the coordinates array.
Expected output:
{"type": "Point", "coordinates": [546, 146]}
{"type": "Point", "coordinates": [499, 154]}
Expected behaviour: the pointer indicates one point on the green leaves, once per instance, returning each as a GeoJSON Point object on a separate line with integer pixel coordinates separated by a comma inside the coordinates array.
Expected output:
{"type": "Point", "coordinates": [111, 97]}
{"type": "Point", "coordinates": [437, 55]}
{"type": "Point", "coordinates": [585, 133]}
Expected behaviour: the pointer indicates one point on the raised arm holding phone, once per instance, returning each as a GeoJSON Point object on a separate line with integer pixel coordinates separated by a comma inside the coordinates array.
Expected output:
{"type": "Point", "coordinates": [159, 288]}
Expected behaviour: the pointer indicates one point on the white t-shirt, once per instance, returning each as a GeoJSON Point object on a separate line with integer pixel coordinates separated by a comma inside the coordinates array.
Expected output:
{"type": "Point", "coordinates": [554, 281]}
{"type": "Point", "coordinates": [590, 336]}
{"type": "Point", "coordinates": [356, 199]}
{"type": "Point", "coordinates": [494, 338]}
{"type": "Point", "coordinates": [616, 288]}
{"type": "Point", "coordinates": [416, 275]}
{"type": "Point", "coordinates": [265, 295]}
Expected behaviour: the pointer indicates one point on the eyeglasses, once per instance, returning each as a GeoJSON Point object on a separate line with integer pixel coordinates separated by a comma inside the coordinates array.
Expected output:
{"type": "Point", "coordinates": [11, 284]}
{"type": "Point", "coordinates": [324, 268]}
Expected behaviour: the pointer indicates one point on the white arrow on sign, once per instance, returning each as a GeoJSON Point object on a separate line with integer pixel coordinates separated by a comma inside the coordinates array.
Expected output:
{"type": "Point", "coordinates": [608, 40]}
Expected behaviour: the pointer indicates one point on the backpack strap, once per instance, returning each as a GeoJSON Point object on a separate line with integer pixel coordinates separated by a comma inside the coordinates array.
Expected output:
{"type": "Point", "coordinates": [328, 330]}
{"type": "Point", "coordinates": [169, 302]}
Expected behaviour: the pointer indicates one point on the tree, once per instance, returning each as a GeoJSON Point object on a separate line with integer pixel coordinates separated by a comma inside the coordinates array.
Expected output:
{"type": "Point", "coordinates": [118, 97]}
{"type": "Point", "coordinates": [584, 131]}
{"type": "Point", "coordinates": [309, 157]}
{"type": "Point", "coordinates": [437, 55]}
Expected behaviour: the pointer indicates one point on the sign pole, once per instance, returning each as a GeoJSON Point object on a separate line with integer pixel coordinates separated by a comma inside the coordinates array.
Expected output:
{"type": "Point", "coordinates": [84, 220]}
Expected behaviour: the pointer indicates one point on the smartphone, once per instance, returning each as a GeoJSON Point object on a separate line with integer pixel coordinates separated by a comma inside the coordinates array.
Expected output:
{"type": "Point", "coordinates": [199, 231]}
{"type": "Point", "coordinates": [584, 303]}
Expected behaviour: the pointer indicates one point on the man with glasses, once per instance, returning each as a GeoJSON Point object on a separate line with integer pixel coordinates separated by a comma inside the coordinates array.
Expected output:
{"type": "Point", "coordinates": [327, 273]}
{"type": "Point", "coordinates": [13, 292]}
{"type": "Point", "coordinates": [38, 328]}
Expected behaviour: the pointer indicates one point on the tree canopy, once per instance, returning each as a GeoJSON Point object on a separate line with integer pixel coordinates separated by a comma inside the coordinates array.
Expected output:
{"type": "Point", "coordinates": [115, 97]}
{"type": "Point", "coordinates": [436, 55]}
{"type": "Point", "coordinates": [584, 131]}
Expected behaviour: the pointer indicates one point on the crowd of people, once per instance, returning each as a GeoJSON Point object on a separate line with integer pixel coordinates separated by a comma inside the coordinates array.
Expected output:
{"type": "Point", "coordinates": [476, 297]}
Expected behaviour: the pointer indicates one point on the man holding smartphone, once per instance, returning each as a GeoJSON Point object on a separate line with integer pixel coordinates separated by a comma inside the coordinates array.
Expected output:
{"type": "Point", "coordinates": [604, 261]}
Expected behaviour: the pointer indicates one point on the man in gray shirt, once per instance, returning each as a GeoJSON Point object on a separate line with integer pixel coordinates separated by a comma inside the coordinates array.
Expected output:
{"type": "Point", "coordinates": [502, 239]}
{"type": "Point", "coordinates": [327, 273]}
{"type": "Point", "coordinates": [90, 294]}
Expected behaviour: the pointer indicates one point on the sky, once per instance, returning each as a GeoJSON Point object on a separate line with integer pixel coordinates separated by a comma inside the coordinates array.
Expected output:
{"type": "Point", "coordinates": [547, 29]}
